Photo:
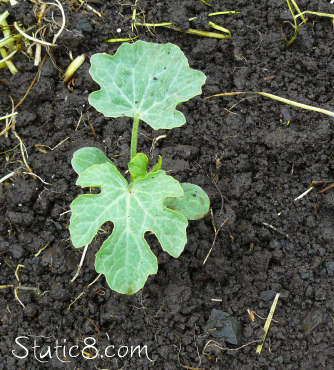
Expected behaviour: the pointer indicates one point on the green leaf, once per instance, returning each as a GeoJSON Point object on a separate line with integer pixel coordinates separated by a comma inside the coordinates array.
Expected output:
{"type": "Point", "coordinates": [137, 165]}
{"type": "Point", "coordinates": [125, 258]}
{"type": "Point", "coordinates": [194, 204]}
{"type": "Point", "coordinates": [86, 157]}
{"type": "Point", "coordinates": [146, 80]}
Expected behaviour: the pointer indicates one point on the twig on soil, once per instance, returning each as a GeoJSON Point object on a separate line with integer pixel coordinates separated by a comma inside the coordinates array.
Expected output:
{"type": "Point", "coordinates": [78, 297]}
{"type": "Point", "coordinates": [267, 323]}
{"type": "Point", "coordinates": [7, 128]}
{"type": "Point", "coordinates": [303, 194]}
{"type": "Point", "coordinates": [277, 98]}
{"type": "Point", "coordinates": [90, 8]}
{"type": "Point", "coordinates": [81, 263]}
{"type": "Point", "coordinates": [10, 115]}
{"type": "Point", "coordinates": [17, 297]}
{"type": "Point", "coordinates": [17, 272]}
{"type": "Point", "coordinates": [38, 146]}
{"type": "Point", "coordinates": [6, 177]}
{"type": "Point", "coordinates": [12, 124]}
{"type": "Point", "coordinates": [60, 7]}
{"type": "Point", "coordinates": [312, 185]}
{"type": "Point", "coordinates": [224, 32]}
{"type": "Point", "coordinates": [39, 178]}
{"type": "Point", "coordinates": [32, 83]}
{"type": "Point", "coordinates": [252, 313]}
{"type": "Point", "coordinates": [84, 292]}
{"type": "Point", "coordinates": [215, 236]}
{"type": "Point", "coordinates": [155, 141]}
{"type": "Point", "coordinates": [9, 56]}
{"type": "Point", "coordinates": [295, 25]}
{"type": "Point", "coordinates": [327, 188]}
{"type": "Point", "coordinates": [17, 171]}
{"type": "Point", "coordinates": [216, 300]}
{"type": "Point", "coordinates": [42, 249]}
{"type": "Point", "coordinates": [278, 231]}
{"type": "Point", "coordinates": [189, 31]}
{"type": "Point", "coordinates": [79, 121]}
{"type": "Point", "coordinates": [304, 20]}
{"type": "Point", "coordinates": [218, 345]}
{"type": "Point", "coordinates": [18, 287]}
{"type": "Point", "coordinates": [23, 149]}
{"type": "Point", "coordinates": [95, 326]}
{"type": "Point", "coordinates": [92, 128]}
{"type": "Point", "coordinates": [190, 367]}
{"type": "Point", "coordinates": [206, 3]}
{"type": "Point", "coordinates": [134, 14]}
{"type": "Point", "coordinates": [122, 39]}
{"type": "Point", "coordinates": [44, 43]}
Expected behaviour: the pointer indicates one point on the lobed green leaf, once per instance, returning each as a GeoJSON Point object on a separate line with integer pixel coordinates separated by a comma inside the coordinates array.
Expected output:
{"type": "Point", "coordinates": [125, 258]}
{"type": "Point", "coordinates": [146, 80]}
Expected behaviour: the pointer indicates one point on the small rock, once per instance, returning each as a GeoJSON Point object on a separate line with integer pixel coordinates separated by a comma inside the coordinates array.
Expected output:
{"type": "Point", "coordinates": [267, 295]}
{"type": "Point", "coordinates": [227, 328]}
{"type": "Point", "coordinates": [312, 320]}
{"type": "Point", "coordinates": [330, 268]}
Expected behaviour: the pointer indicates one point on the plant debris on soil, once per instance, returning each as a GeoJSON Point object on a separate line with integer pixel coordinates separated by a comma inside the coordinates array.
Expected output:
{"type": "Point", "coordinates": [255, 157]}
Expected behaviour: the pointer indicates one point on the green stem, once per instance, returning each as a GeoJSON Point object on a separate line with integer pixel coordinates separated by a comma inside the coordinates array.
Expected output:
{"type": "Point", "coordinates": [134, 136]}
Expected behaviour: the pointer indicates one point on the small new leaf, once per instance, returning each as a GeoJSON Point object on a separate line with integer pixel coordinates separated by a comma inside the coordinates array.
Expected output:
{"type": "Point", "coordinates": [125, 258]}
{"type": "Point", "coordinates": [144, 80]}
{"type": "Point", "coordinates": [138, 165]}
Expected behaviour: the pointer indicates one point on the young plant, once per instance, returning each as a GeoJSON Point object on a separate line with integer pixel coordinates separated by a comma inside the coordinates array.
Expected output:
{"type": "Point", "coordinates": [144, 81]}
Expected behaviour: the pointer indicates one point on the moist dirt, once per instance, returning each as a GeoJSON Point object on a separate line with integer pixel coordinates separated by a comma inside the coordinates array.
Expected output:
{"type": "Point", "coordinates": [252, 155]}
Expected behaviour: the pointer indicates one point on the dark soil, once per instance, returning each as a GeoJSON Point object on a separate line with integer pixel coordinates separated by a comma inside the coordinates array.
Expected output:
{"type": "Point", "coordinates": [252, 163]}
